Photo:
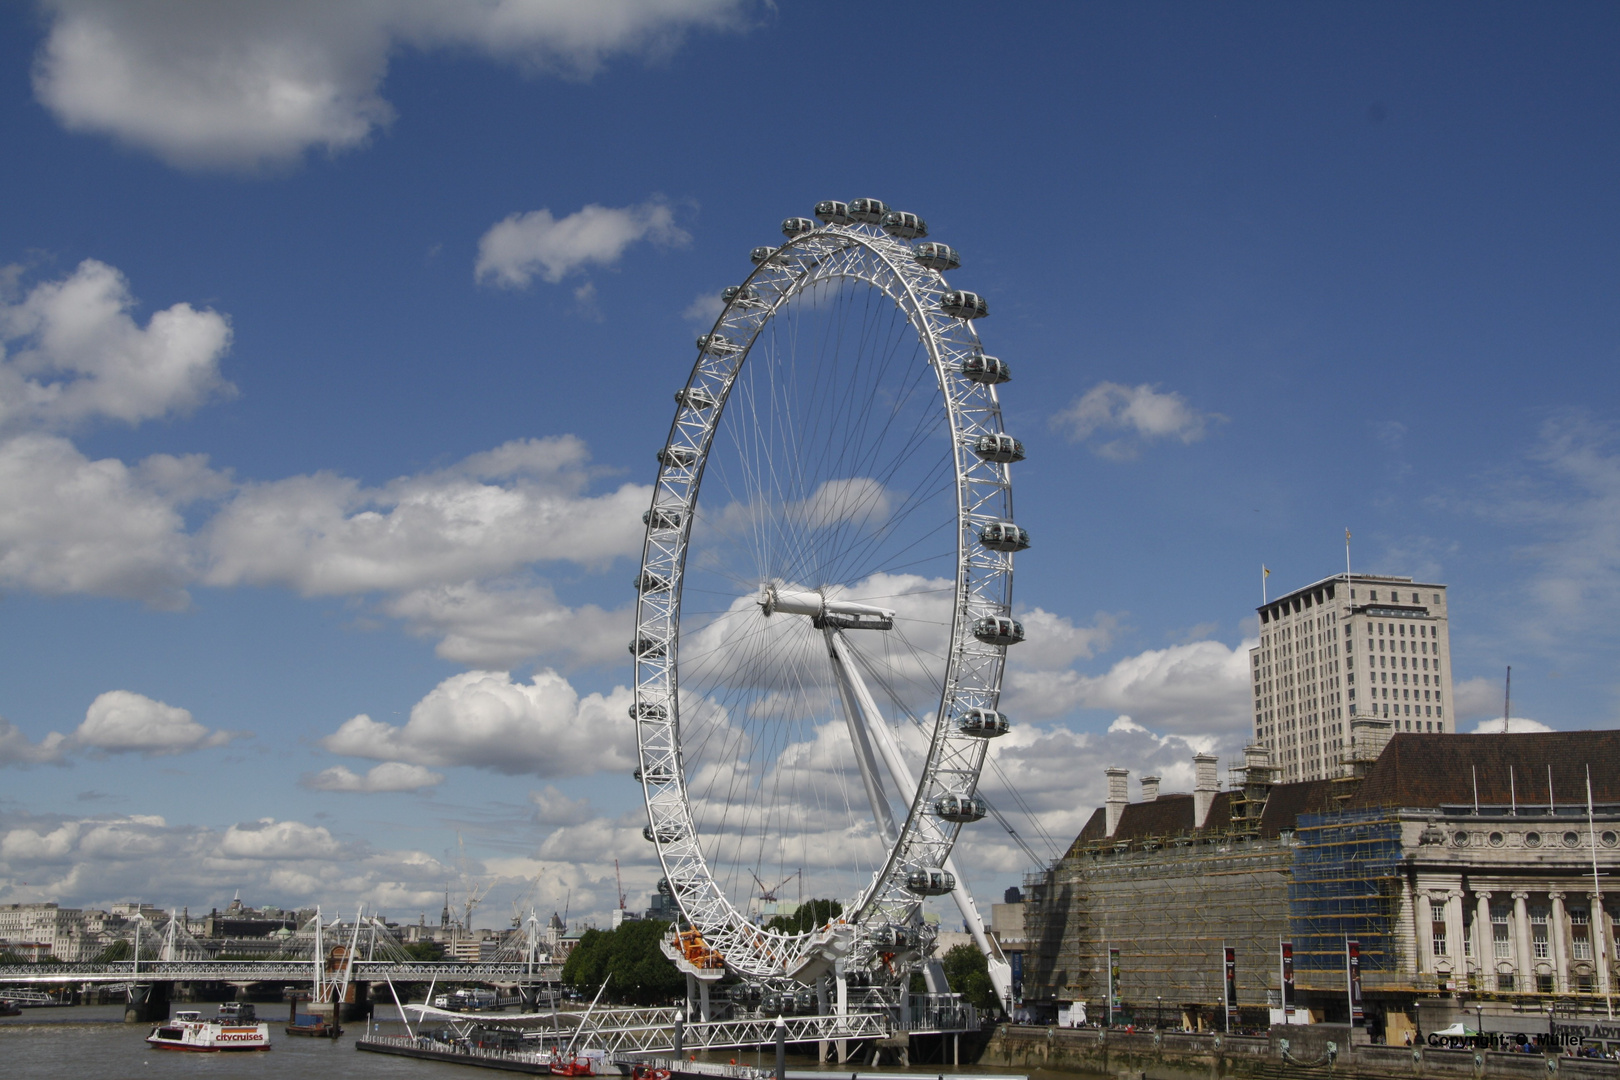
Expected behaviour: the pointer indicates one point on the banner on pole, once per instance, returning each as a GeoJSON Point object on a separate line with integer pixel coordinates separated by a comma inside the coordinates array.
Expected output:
{"type": "Point", "coordinates": [1287, 979]}
{"type": "Point", "coordinates": [1352, 956]}
{"type": "Point", "coordinates": [1114, 1001]}
{"type": "Point", "coordinates": [1230, 955]}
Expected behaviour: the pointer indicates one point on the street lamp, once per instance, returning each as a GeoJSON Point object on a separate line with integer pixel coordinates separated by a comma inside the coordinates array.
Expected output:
{"type": "Point", "coordinates": [1158, 1012]}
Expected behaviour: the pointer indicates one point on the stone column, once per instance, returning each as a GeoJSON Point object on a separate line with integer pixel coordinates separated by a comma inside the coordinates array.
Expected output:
{"type": "Point", "coordinates": [1560, 943]}
{"type": "Point", "coordinates": [1524, 962]}
{"type": "Point", "coordinates": [1602, 943]}
{"type": "Point", "coordinates": [1484, 941]}
{"type": "Point", "coordinates": [1454, 938]}
{"type": "Point", "coordinates": [1425, 929]}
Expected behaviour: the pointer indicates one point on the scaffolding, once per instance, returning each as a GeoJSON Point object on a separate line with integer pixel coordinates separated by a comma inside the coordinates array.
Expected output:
{"type": "Point", "coordinates": [1346, 885]}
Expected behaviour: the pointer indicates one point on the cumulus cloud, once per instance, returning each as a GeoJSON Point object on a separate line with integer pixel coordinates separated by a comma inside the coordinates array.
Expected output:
{"type": "Point", "coordinates": [1201, 686]}
{"type": "Point", "coordinates": [122, 722]}
{"type": "Point", "coordinates": [1142, 414]}
{"type": "Point", "coordinates": [486, 720]}
{"type": "Point", "coordinates": [552, 807]}
{"type": "Point", "coordinates": [1515, 724]}
{"type": "Point", "coordinates": [498, 624]}
{"type": "Point", "coordinates": [72, 351]}
{"type": "Point", "coordinates": [242, 84]}
{"type": "Point", "coordinates": [17, 749]}
{"type": "Point", "coordinates": [389, 776]}
{"type": "Point", "coordinates": [520, 246]}
{"type": "Point", "coordinates": [93, 860]}
{"type": "Point", "coordinates": [487, 515]}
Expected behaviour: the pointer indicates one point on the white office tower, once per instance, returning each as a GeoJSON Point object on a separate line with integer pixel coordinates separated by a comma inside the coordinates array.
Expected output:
{"type": "Point", "coordinates": [1343, 664]}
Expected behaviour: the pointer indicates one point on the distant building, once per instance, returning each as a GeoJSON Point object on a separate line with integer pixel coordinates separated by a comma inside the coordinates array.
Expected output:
{"type": "Point", "coordinates": [1348, 647]}
{"type": "Point", "coordinates": [1462, 865]}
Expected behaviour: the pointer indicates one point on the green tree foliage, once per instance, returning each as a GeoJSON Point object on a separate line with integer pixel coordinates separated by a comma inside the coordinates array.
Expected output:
{"type": "Point", "coordinates": [118, 950]}
{"type": "Point", "coordinates": [807, 916]}
{"type": "Point", "coordinates": [969, 975]}
{"type": "Point", "coordinates": [629, 958]}
{"type": "Point", "coordinates": [424, 950]}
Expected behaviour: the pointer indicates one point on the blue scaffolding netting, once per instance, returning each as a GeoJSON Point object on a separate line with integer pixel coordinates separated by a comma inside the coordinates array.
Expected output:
{"type": "Point", "coordinates": [1345, 885]}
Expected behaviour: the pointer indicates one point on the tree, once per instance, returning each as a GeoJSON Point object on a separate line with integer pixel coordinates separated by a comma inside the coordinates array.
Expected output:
{"type": "Point", "coordinates": [969, 975]}
{"type": "Point", "coordinates": [118, 950]}
{"type": "Point", "coordinates": [630, 959]}
{"type": "Point", "coordinates": [806, 917]}
{"type": "Point", "coordinates": [424, 950]}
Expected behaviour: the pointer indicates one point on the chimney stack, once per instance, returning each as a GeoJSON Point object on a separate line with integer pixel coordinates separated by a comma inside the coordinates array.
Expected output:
{"type": "Point", "coordinates": [1118, 796]}
{"type": "Point", "coordinates": [1150, 788]}
{"type": "Point", "coordinates": [1205, 788]}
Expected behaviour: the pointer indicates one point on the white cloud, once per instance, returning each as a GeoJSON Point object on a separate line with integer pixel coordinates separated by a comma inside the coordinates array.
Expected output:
{"type": "Point", "coordinates": [271, 839]}
{"type": "Point", "coordinates": [121, 721]}
{"type": "Point", "coordinates": [389, 776]}
{"type": "Point", "coordinates": [1201, 687]}
{"type": "Point", "coordinates": [76, 353]}
{"type": "Point", "coordinates": [17, 749]}
{"type": "Point", "coordinates": [327, 535]}
{"type": "Point", "coordinates": [72, 525]}
{"type": "Point", "coordinates": [518, 247]}
{"type": "Point", "coordinates": [500, 624]}
{"type": "Point", "coordinates": [552, 807]}
{"type": "Point", "coordinates": [1515, 724]}
{"type": "Point", "coordinates": [1141, 413]}
{"type": "Point", "coordinates": [242, 84]}
{"type": "Point", "coordinates": [485, 720]}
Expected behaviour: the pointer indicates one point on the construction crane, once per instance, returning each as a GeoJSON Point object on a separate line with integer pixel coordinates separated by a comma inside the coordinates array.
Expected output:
{"type": "Point", "coordinates": [618, 883]}
{"type": "Point", "coordinates": [474, 893]}
{"type": "Point", "coordinates": [768, 895]}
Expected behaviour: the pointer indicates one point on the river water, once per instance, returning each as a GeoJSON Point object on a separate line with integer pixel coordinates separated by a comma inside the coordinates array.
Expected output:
{"type": "Point", "coordinates": [92, 1042]}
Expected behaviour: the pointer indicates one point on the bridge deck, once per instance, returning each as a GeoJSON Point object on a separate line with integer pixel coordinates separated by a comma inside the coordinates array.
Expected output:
{"type": "Point", "coordinates": [148, 971]}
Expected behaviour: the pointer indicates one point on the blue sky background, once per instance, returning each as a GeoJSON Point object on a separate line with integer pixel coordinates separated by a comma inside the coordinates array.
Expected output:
{"type": "Point", "coordinates": [1316, 266]}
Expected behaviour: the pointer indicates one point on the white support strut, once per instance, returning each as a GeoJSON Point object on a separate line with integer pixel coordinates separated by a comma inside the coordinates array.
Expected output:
{"type": "Point", "coordinates": [906, 781]}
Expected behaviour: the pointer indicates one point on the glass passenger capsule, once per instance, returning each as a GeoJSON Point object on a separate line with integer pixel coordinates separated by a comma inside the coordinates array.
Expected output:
{"type": "Point", "coordinates": [893, 936]}
{"type": "Point", "coordinates": [833, 212]}
{"type": "Point", "coordinates": [666, 834]}
{"type": "Point", "coordinates": [905, 225]}
{"type": "Point", "coordinates": [796, 226]}
{"type": "Point", "coordinates": [1001, 448]}
{"type": "Point", "coordinates": [805, 1001]}
{"type": "Point", "coordinates": [695, 397]}
{"type": "Point", "coordinates": [937, 256]}
{"type": "Point", "coordinates": [648, 710]}
{"type": "Point", "coordinates": [647, 646]}
{"type": "Point", "coordinates": [742, 295]}
{"type": "Point", "coordinates": [662, 518]}
{"type": "Point", "coordinates": [677, 457]}
{"type": "Point", "coordinates": [988, 370]}
{"type": "Point", "coordinates": [962, 304]}
{"type": "Point", "coordinates": [998, 630]}
{"type": "Point", "coordinates": [983, 724]}
{"type": "Point", "coordinates": [961, 809]}
{"type": "Point", "coordinates": [653, 776]}
{"type": "Point", "coordinates": [770, 255]}
{"type": "Point", "coordinates": [717, 344]}
{"type": "Point", "coordinates": [650, 582]}
{"type": "Point", "coordinates": [868, 211]}
{"type": "Point", "coordinates": [1003, 536]}
{"type": "Point", "coordinates": [930, 882]}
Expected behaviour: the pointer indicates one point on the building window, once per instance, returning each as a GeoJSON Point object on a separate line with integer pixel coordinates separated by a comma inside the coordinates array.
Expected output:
{"type": "Point", "coordinates": [1538, 934]}
{"type": "Point", "coordinates": [1580, 934]}
{"type": "Point", "coordinates": [1544, 984]}
{"type": "Point", "coordinates": [1504, 982]}
{"type": "Point", "coordinates": [1439, 929]}
{"type": "Point", "coordinates": [1501, 945]}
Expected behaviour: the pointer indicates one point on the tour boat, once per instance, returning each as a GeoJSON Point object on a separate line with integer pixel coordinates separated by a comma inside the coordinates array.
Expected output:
{"type": "Point", "coordinates": [235, 1028]}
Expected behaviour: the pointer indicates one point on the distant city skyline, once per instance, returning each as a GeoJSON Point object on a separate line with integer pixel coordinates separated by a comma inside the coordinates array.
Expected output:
{"type": "Point", "coordinates": [337, 341]}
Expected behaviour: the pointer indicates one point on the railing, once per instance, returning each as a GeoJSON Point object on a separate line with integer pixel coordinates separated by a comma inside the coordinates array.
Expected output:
{"type": "Point", "coordinates": [484, 1053]}
{"type": "Point", "coordinates": [519, 973]}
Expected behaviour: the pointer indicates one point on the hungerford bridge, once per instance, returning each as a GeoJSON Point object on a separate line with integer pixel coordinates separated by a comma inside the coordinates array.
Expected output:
{"type": "Point", "coordinates": [345, 965]}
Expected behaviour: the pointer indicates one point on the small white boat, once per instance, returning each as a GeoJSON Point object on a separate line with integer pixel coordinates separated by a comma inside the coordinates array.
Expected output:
{"type": "Point", "coordinates": [235, 1028]}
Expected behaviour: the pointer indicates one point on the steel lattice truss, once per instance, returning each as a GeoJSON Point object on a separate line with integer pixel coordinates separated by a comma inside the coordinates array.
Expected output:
{"type": "Point", "coordinates": [983, 588]}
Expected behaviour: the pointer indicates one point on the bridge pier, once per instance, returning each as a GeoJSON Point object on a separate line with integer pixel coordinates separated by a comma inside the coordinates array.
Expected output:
{"type": "Point", "coordinates": [148, 1003]}
{"type": "Point", "coordinates": [361, 1007]}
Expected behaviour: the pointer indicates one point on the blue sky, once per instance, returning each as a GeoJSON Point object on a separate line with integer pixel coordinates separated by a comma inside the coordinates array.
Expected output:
{"type": "Point", "coordinates": [285, 440]}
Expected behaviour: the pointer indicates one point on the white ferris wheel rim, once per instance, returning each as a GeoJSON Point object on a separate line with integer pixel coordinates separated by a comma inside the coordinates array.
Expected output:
{"type": "Point", "coordinates": [973, 668]}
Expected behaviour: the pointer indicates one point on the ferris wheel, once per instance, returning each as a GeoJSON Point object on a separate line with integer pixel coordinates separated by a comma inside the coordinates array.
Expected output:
{"type": "Point", "coordinates": [821, 633]}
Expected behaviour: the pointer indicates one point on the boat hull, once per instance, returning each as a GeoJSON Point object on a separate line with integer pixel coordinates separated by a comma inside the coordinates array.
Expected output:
{"type": "Point", "coordinates": [219, 1040]}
